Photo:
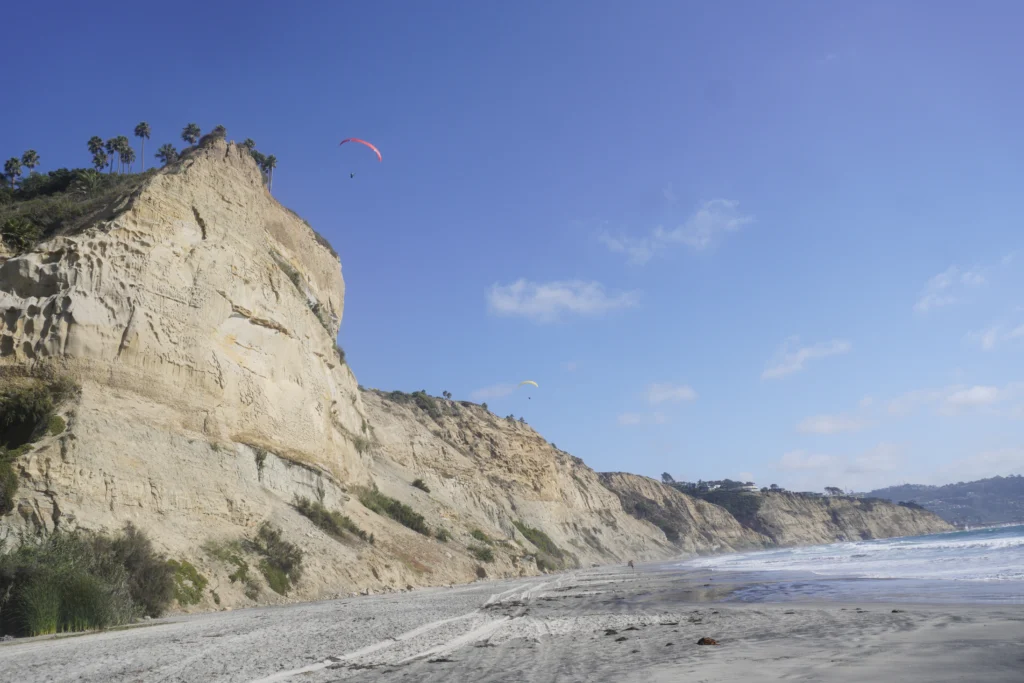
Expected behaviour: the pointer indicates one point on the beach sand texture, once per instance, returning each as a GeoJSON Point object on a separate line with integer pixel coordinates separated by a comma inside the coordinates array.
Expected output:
{"type": "Point", "coordinates": [600, 624]}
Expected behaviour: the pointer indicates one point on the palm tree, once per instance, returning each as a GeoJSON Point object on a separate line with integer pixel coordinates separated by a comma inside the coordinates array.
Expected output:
{"type": "Point", "coordinates": [100, 160]}
{"type": "Point", "coordinates": [127, 157]}
{"type": "Point", "coordinates": [166, 154]}
{"type": "Point", "coordinates": [95, 144]}
{"type": "Point", "coordinates": [30, 159]}
{"type": "Point", "coordinates": [12, 169]}
{"type": "Point", "coordinates": [220, 131]}
{"type": "Point", "coordinates": [86, 181]}
{"type": "Point", "coordinates": [249, 144]}
{"type": "Point", "coordinates": [142, 132]}
{"type": "Point", "coordinates": [261, 161]}
{"type": "Point", "coordinates": [190, 133]}
{"type": "Point", "coordinates": [111, 148]}
{"type": "Point", "coordinates": [271, 165]}
{"type": "Point", "coordinates": [121, 146]}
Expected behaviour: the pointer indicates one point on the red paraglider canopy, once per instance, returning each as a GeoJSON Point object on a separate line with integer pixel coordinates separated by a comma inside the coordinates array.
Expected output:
{"type": "Point", "coordinates": [377, 151]}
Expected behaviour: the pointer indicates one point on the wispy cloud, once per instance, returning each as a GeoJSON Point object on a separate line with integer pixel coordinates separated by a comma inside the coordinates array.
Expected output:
{"type": "Point", "coordinates": [955, 399]}
{"type": "Point", "coordinates": [570, 366]}
{"type": "Point", "coordinates": [831, 424]}
{"type": "Point", "coordinates": [802, 460]}
{"type": "Point", "coordinates": [492, 392]}
{"type": "Point", "coordinates": [660, 393]}
{"type": "Point", "coordinates": [885, 457]}
{"type": "Point", "coordinates": [669, 194]}
{"type": "Point", "coordinates": [866, 469]}
{"type": "Point", "coordinates": [792, 357]}
{"type": "Point", "coordinates": [702, 229]}
{"type": "Point", "coordinates": [546, 302]}
{"type": "Point", "coordinates": [1000, 461]}
{"type": "Point", "coordinates": [635, 419]}
{"type": "Point", "coordinates": [948, 287]}
{"type": "Point", "coordinates": [991, 337]}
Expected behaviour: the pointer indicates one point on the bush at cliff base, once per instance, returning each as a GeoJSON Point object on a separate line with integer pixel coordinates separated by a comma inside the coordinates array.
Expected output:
{"type": "Point", "coordinates": [78, 581]}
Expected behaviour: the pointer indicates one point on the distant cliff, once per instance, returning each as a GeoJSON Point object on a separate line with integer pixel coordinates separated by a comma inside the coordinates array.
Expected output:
{"type": "Point", "coordinates": [798, 519]}
{"type": "Point", "coordinates": [998, 500]}
{"type": "Point", "coordinates": [690, 524]}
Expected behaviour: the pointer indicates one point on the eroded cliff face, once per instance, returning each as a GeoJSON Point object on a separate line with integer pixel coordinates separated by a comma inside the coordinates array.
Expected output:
{"type": "Point", "coordinates": [199, 318]}
{"type": "Point", "coordinates": [790, 519]}
{"type": "Point", "coordinates": [488, 473]}
{"type": "Point", "coordinates": [205, 296]}
{"type": "Point", "coordinates": [692, 525]}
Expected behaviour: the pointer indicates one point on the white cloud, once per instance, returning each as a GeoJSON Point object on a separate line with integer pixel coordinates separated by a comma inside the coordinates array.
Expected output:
{"type": "Point", "coordinates": [638, 251]}
{"type": "Point", "coordinates": [946, 288]}
{"type": "Point", "coordinates": [885, 457]}
{"type": "Point", "coordinates": [634, 419]}
{"type": "Point", "coordinates": [669, 194]}
{"type": "Point", "coordinates": [831, 424]}
{"type": "Point", "coordinates": [712, 220]}
{"type": "Point", "coordinates": [991, 337]}
{"type": "Point", "coordinates": [973, 396]}
{"type": "Point", "coordinates": [955, 399]}
{"type": "Point", "coordinates": [492, 392]}
{"type": "Point", "coordinates": [549, 301]}
{"type": "Point", "coordinates": [791, 357]}
{"type": "Point", "coordinates": [1000, 461]}
{"type": "Point", "coordinates": [659, 393]}
{"type": "Point", "coordinates": [866, 403]}
{"type": "Point", "coordinates": [864, 471]}
{"type": "Point", "coordinates": [801, 460]}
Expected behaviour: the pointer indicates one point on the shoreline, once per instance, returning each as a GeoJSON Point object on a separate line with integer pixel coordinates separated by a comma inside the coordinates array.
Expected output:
{"type": "Point", "coordinates": [598, 624]}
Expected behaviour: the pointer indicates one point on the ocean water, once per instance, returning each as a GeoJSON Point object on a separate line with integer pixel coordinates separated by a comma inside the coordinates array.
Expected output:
{"type": "Point", "coordinates": [985, 565]}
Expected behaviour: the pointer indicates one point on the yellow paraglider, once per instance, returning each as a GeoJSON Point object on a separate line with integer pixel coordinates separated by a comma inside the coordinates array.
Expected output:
{"type": "Point", "coordinates": [529, 381]}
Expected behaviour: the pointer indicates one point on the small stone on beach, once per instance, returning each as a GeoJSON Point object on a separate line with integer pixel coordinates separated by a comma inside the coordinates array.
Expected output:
{"type": "Point", "coordinates": [707, 641]}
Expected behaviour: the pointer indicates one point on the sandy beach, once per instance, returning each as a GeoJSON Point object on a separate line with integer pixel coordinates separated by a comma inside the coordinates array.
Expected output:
{"type": "Point", "coordinates": [600, 624]}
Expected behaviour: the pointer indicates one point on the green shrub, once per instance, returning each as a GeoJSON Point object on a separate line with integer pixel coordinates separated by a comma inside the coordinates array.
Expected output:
{"type": "Point", "coordinates": [374, 500]}
{"type": "Point", "coordinates": [549, 556]}
{"type": "Point", "coordinates": [22, 410]}
{"type": "Point", "coordinates": [421, 485]}
{"type": "Point", "coordinates": [361, 443]}
{"type": "Point", "coordinates": [481, 536]}
{"type": "Point", "coordinates": [20, 234]}
{"type": "Point", "coordinates": [56, 425]}
{"type": "Point", "coordinates": [442, 535]}
{"type": "Point", "coordinates": [261, 458]}
{"type": "Point", "coordinates": [61, 200]}
{"type": "Point", "coordinates": [481, 573]}
{"type": "Point", "coordinates": [481, 553]}
{"type": "Point", "coordinates": [421, 399]}
{"type": "Point", "coordinates": [8, 483]}
{"type": "Point", "coordinates": [282, 561]}
{"type": "Point", "coordinates": [331, 521]}
{"type": "Point", "coordinates": [741, 505]}
{"type": "Point", "coordinates": [73, 581]}
{"type": "Point", "coordinates": [188, 583]}
{"type": "Point", "coordinates": [276, 578]}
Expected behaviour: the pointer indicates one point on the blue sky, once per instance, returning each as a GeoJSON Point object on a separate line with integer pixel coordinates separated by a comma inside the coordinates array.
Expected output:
{"type": "Point", "coordinates": [778, 241]}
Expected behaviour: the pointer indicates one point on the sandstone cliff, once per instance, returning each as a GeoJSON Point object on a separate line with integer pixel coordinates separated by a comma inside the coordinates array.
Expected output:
{"type": "Point", "coordinates": [691, 524]}
{"type": "Point", "coordinates": [792, 519]}
{"type": "Point", "coordinates": [198, 317]}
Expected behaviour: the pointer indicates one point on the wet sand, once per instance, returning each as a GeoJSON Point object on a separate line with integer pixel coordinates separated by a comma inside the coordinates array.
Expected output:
{"type": "Point", "coordinates": [601, 624]}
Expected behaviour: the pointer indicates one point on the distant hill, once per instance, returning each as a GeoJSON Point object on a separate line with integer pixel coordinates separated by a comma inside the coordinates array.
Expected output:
{"type": "Point", "coordinates": [986, 501]}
